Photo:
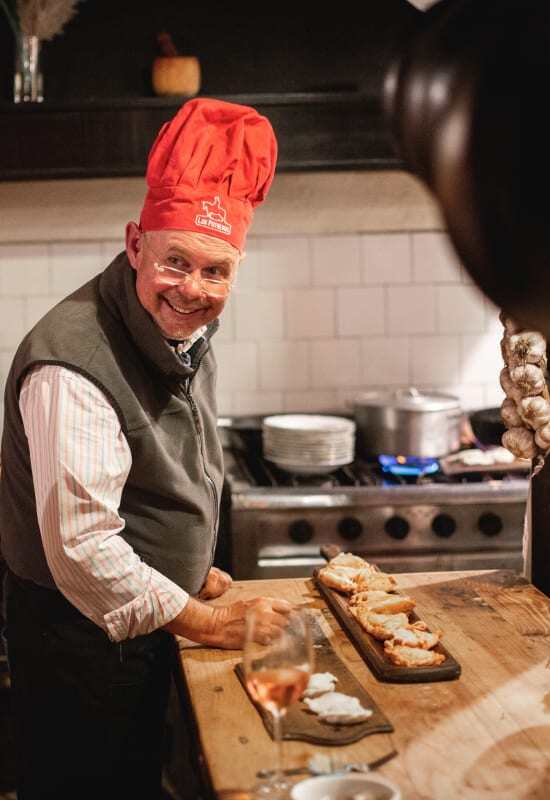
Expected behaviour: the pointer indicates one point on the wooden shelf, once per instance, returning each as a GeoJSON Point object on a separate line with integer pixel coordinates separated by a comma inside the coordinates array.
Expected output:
{"type": "Point", "coordinates": [100, 138]}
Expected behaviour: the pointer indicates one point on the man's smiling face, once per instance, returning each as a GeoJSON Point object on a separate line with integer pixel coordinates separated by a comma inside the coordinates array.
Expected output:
{"type": "Point", "coordinates": [180, 308]}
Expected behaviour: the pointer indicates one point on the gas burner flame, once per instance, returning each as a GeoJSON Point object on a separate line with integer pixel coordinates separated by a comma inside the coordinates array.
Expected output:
{"type": "Point", "coordinates": [408, 465]}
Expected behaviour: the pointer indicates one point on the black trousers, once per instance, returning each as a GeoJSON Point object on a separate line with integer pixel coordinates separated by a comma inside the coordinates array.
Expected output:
{"type": "Point", "coordinates": [89, 713]}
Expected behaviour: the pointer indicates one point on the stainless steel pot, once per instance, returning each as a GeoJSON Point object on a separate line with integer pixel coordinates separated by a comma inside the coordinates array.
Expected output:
{"type": "Point", "coordinates": [408, 422]}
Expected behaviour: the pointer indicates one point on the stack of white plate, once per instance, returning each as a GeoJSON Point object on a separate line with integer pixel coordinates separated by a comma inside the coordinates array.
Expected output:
{"type": "Point", "coordinates": [308, 444]}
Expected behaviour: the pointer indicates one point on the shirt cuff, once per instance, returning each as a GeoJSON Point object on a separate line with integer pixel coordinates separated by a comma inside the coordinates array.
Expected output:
{"type": "Point", "coordinates": [147, 612]}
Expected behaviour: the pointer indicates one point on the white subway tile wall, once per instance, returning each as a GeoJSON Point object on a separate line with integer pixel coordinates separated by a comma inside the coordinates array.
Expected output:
{"type": "Point", "coordinates": [247, 276]}
{"type": "Point", "coordinates": [22, 270]}
{"type": "Point", "coordinates": [386, 258]}
{"type": "Point", "coordinates": [237, 367]}
{"type": "Point", "coordinates": [110, 249]}
{"type": "Point", "coordinates": [310, 313]}
{"type": "Point", "coordinates": [336, 260]}
{"type": "Point", "coordinates": [386, 359]}
{"type": "Point", "coordinates": [258, 314]}
{"type": "Point", "coordinates": [36, 307]}
{"type": "Point", "coordinates": [460, 309]}
{"type": "Point", "coordinates": [311, 401]}
{"type": "Point", "coordinates": [314, 318]}
{"type": "Point", "coordinates": [284, 366]}
{"type": "Point", "coordinates": [226, 331]}
{"type": "Point", "coordinates": [478, 362]}
{"type": "Point", "coordinates": [335, 363]}
{"type": "Point", "coordinates": [74, 263]}
{"type": "Point", "coordinates": [284, 261]}
{"type": "Point", "coordinates": [361, 311]}
{"type": "Point", "coordinates": [12, 321]}
{"type": "Point", "coordinates": [411, 309]}
{"type": "Point", "coordinates": [260, 402]}
{"type": "Point", "coordinates": [435, 358]}
{"type": "Point", "coordinates": [433, 260]}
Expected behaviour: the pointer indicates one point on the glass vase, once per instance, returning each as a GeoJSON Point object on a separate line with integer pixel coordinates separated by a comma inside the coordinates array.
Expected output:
{"type": "Point", "coordinates": [27, 82]}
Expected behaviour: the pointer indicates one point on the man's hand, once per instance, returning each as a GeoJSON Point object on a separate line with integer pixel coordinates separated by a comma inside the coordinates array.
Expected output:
{"type": "Point", "coordinates": [271, 618]}
{"type": "Point", "coordinates": [217, 582]}
{"type": "Point", "coordinates": [224, 626]}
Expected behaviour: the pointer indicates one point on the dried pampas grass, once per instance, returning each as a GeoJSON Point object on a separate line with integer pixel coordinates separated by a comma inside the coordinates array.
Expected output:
{"type": "Point", "coordinates": [44, 18]}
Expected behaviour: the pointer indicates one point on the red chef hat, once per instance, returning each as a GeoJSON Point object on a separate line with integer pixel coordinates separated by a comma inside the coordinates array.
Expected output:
{"type": "Point", "coordinates": [209, 167]}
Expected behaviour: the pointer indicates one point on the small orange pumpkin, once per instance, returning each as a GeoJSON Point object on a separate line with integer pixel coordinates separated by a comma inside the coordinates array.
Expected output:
{"type": "Point", "coordinates": [175, 75]}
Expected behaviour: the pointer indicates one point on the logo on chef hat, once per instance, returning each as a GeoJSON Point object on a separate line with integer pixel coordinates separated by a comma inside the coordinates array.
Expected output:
{"type": "Point", "coordinates": [214, 216]}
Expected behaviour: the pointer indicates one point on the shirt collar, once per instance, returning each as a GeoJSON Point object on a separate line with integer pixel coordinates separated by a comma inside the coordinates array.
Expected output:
{"type": "Point", "coordinates": [183, 345]}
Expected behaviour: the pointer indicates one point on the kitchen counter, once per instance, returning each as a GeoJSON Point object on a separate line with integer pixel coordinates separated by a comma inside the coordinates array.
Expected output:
{"type": "Point", "coordinates": [483, 736]}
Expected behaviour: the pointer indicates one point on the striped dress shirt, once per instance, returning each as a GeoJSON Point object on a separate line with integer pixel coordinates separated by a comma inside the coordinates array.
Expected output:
{"type": "Point", "coordinates": [80, 461]}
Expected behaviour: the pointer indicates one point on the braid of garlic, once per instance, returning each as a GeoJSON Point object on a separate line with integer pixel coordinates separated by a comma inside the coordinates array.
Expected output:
{"type": "Point", "coordinates": [526, 408]}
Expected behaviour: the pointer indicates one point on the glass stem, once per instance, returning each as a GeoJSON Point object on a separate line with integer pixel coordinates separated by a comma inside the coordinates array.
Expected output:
{"type": "Point", "coordinates": [278, 737]}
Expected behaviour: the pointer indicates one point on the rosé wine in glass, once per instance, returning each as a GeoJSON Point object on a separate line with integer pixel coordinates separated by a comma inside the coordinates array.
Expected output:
{"type": "Point", "coordinates": [276, 689]}
{"type": "Point", "coordinates": [276, 674]}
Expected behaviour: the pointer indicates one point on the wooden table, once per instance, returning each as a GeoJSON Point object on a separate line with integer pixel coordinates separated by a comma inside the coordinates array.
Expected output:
{"type": "Point", "coordinates": [485, 736]}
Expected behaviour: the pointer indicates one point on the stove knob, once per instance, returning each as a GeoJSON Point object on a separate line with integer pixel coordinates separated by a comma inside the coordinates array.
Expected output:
{"type": "Point", "coordinates": [490, 524]}
{"type": "Point", "coordinates": [350, 528]}
{"type": "Point", "coordinates": [443, 525]}
{"type": "Point", "coordinates": [301, 531]}
{"type": "Point", "coordinates": [397, 527]}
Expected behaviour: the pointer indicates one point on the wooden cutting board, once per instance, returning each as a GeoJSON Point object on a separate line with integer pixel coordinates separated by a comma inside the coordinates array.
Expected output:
{"type": "Point", "coordinates": [451, 465]}
{"type": "Point", "coordinates": [372, 650]}
{"type": "Point", "coordinates": [300, 723]}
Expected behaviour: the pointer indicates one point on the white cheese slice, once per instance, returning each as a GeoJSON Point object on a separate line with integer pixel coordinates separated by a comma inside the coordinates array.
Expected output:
{"type": "Point", "coordinates": [319, 683]}
{"type": "Point", "coordinates": [338, 708]}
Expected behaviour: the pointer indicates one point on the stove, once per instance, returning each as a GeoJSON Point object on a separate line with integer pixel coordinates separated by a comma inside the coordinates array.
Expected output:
{"type": "Point", "coordinates": [404, 516]}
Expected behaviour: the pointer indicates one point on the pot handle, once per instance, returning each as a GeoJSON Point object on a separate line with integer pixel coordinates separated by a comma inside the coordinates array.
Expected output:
{"type": "Point", "coordinates": [411, 393]}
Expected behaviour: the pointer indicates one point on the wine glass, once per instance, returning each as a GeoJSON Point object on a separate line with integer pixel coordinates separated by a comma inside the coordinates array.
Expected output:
{"type": "Point", "coordinates": [276, 674]}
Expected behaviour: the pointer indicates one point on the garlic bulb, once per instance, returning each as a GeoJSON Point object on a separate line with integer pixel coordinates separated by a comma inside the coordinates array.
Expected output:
{"type": "Point", "coordinates": [505, 348]}
{"type": "Point", "coordinates": [509, 324]}
{"type": "Point", "coordinates": [520, 442]}
{"type": "Point", "coordinates": [535, 411]}
{"type": "Point", "coordinates": [527, 403]}
{"type": "Point", "coordinates": [508, 386]}
{"type": "Point", "coordinates": [526, 347]}
{"type": "Point", "coordinates": [542, 437]}
{"type": "Point", "coordinates": [509, 414]}
{"type": "Point", "coordinates": [529, 379]}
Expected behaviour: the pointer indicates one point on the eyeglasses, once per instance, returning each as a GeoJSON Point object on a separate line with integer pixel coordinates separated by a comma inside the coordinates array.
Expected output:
{"type": "Point", "coordinates": [173, 275]}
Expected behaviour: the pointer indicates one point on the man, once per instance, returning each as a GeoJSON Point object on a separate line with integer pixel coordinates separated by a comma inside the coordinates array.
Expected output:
{"type": "Point", "coordinates": [112, 472]}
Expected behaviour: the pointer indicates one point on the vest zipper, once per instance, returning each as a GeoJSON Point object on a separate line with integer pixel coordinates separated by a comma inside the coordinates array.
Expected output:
{"type": "Point", "coordinates": [198, 427]}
